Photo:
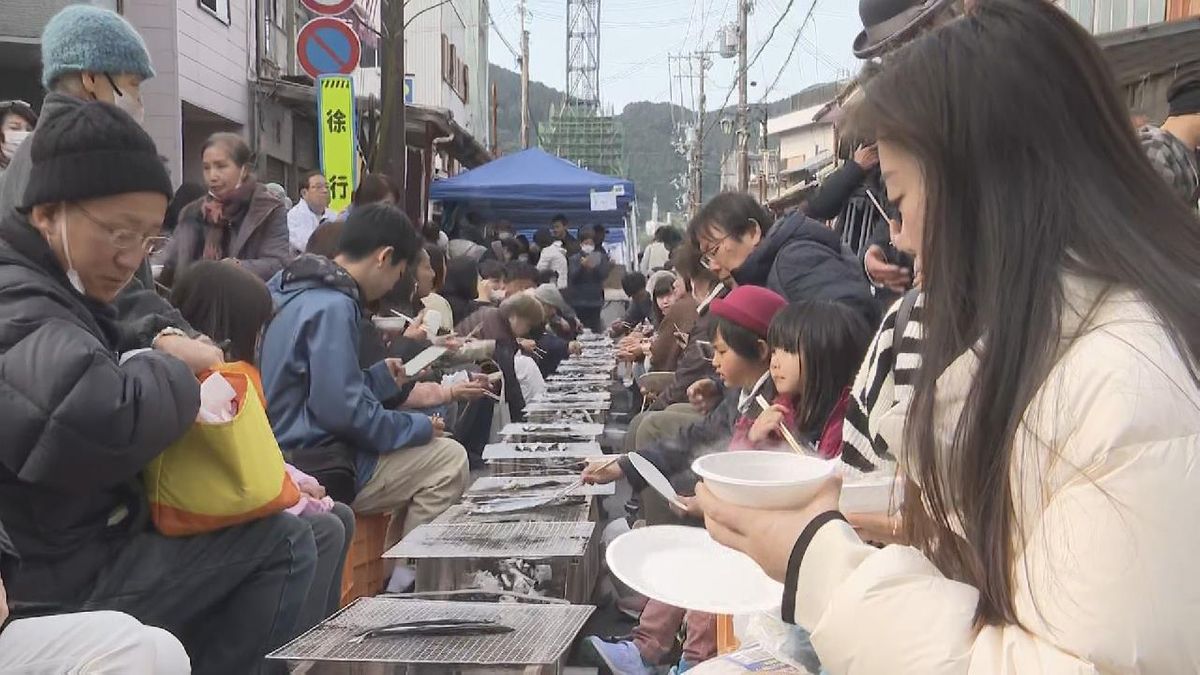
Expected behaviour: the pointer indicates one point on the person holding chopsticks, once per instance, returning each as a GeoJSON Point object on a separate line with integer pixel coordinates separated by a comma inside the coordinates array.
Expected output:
{"type": "Point", "coordinates": [1049, 453]}
{"type": "Point", "coordinates": [815, 350]}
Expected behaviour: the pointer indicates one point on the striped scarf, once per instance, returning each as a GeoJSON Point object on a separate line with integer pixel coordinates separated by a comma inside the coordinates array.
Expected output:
{"type": "Point", "coordinates": [884, 385]}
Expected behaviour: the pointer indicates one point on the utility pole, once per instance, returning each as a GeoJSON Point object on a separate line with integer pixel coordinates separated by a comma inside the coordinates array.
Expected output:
{"type": "Point", "coordinates": [698, 157]}
{"type": "Point", "coordinates": [743, 112]}
{"type": "Point", "coordinates": [392, 158]}
{"type": "Point", "coordinates": [494, 126]}
{"type": "Point", "coordinates": [524, 78]}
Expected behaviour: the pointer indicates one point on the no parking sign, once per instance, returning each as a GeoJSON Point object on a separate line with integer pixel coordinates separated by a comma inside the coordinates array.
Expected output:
{"type": "Point", "coordinates": [328, 46]}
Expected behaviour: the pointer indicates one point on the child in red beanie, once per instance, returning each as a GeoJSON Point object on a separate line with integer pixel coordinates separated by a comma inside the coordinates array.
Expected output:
{"type": "Point", "coordinates": [741, 355]}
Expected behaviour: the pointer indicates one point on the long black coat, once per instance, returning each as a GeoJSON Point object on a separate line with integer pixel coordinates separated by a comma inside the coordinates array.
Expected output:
{"type": "Point", "coordinates": [77, 426]}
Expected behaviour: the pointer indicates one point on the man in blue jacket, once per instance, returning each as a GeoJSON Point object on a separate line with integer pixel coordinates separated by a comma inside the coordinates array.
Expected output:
{"type": "Point", "coordinates": [319, 397]}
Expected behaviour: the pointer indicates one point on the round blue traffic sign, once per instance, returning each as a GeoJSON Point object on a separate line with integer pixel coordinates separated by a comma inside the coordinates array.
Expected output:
{"type": "Point", "coordinates": [328, 46]}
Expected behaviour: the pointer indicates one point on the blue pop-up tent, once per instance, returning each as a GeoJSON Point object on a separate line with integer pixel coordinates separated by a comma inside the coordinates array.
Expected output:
{"type": "Point", "coordinates": [529, 188]}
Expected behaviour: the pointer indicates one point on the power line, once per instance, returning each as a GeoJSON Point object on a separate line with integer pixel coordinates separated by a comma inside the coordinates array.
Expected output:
{"type": "Point", "coordinates": [791, 52]}
{"type": "Point", "coordinates": [770, 34]}
{"type": "Point", "coordinates": [500, 35]}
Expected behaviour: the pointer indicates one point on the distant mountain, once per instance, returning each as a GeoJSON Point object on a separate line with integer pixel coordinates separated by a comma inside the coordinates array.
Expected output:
{"type": "Point", "coordinates": [651, 160]}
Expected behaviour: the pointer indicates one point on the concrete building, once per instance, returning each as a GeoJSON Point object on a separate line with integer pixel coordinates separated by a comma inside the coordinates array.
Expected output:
{"type": "Point", "coordinates": [203, 52]}
{"type": "Point", "coordinates": [230, 65]}
{"type": "Point", "coordinates": [445, 51]}
{"type": "Point", "coordinates": [805, 144]}
{"type": "Point", "coordinates": [1108, 16]}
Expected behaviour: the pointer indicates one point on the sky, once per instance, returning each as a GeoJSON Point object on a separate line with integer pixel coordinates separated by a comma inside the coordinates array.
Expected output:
{"type": "Point", "coordinates": [637, 36]}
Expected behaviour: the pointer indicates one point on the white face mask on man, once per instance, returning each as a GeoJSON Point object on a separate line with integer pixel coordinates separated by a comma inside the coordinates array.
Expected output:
{"type": "Point", "coordinates": [133, 106]}
{"type": "Point", "coordinates": [128, 102]}
{"type": "Point", "coordinates": [72, 275]}
{"type": "Point", "coordinates": [13, 140]}
{"type": "Point", "coordinates": [588, 247]}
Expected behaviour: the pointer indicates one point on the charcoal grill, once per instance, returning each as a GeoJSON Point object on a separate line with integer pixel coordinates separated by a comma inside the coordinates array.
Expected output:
{"type": "Point", "coordinates": [552, 513]}
{"type": "Point", "coordinates": [541, 449]}
{"type": "Point", "coordinates": [556, 559]}
{"type": "Point", "coordinates": [552, 432]}
{"type": "Point", "coordinates": [494, 540]}
{"type": "Point", "coordinates": [542, 635]}
{"type": "Point", "coordinates": [529, 485]}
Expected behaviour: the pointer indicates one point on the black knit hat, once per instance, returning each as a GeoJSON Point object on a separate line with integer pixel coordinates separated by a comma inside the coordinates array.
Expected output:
{"type": "Point", "coordinates": [92, 150]}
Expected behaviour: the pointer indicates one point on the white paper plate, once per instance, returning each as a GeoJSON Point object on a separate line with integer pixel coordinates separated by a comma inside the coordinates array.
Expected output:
{"type": "Point", "coordinates": [655, 479]}
{"type": "Point", "coordinates": [684, 567]}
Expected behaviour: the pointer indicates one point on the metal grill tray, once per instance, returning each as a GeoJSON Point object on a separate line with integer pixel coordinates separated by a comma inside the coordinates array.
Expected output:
{"type": "Point", "coordinates": [597, 378]}
{"type": "Point", "coordinates": [551, 513]}
{"type": "Point", "coordinates": [492, 486]}
{"type": "Point", "coordinates": [512, 451]}
{"type": "Point", "coordinates": [543, 634]}
{"type": "Point", "coordinates": [567, 429]}
{"type": "Point", "coordinates": [587, 396]}
{"type": "Point", "coordinates": [584, 407]}
{"type": "Point", "coordinates": [588, 368]}
{"type": "Point", "coordinates": [495, 540]}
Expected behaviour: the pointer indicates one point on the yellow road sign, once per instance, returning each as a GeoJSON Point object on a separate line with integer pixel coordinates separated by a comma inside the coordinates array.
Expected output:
{"type": "Point", "coordinates": [336, 119]}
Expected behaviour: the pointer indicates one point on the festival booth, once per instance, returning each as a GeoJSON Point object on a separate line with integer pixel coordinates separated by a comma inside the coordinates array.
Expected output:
{"type": "Point", "coordinates": [529, 188]}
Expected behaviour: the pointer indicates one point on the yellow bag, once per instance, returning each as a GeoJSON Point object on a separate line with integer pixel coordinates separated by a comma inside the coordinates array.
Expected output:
{"type": "Point", "coordinates": [220, 475]}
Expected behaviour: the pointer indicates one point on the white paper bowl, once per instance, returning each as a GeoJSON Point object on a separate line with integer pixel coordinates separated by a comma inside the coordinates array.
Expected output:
{"type": "Point", "coordinates": [763, 480]}
{"type": "Point", "coordinates": [390, 323]}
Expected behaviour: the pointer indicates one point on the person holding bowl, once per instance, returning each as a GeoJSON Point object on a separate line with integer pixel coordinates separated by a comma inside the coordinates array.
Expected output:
{"type": "Point", "coordinates": [1051, 446]}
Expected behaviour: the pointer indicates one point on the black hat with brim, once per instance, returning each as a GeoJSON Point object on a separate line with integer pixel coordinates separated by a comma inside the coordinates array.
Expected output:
{"type": "Point", "coordinates": [889, 23]}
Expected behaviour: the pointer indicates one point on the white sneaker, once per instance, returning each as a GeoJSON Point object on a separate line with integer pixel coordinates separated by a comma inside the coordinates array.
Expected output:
{"type": "Point", "coordinates": [622, 658]}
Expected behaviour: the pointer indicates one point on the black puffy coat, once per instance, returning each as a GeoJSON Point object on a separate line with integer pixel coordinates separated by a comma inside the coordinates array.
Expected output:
{"type": "Point", "coordinates": [77, 426]}
{"type": "Point", "coordinates": [801, 259]}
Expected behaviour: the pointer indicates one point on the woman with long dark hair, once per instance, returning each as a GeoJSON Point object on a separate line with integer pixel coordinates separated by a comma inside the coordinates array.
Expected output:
{"type": "Point", "coordinates": [1050, 452]}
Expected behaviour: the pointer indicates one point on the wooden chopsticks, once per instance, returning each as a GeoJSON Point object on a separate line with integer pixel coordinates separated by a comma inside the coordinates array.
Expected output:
{"type": "Point", "coordinates": [783, 430]}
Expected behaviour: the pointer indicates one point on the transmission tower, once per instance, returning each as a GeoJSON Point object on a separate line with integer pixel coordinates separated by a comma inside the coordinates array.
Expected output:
{"type": "Point", "coordinates": [583, 53]}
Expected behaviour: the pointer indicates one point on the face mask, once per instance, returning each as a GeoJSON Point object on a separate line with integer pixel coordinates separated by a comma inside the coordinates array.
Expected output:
{"type": "Point", "coordinates": [505, 235]}
{"type": "Point", "coordinates": [588, 248]}
{"type": "Point", "coordinates": [496, 295]}
{"type": "Point", "coordinates": [12, 141]}
{"type": "Point", "coordinates": [129, 104]}
{"type": "Point", "coordinates": [72, 276]}
{"type": "Point", "coordinates": [524, 257]}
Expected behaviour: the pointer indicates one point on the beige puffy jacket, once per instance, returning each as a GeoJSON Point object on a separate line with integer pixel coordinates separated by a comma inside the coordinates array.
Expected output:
{"type": "Point", "coordinates": [1106, 480]}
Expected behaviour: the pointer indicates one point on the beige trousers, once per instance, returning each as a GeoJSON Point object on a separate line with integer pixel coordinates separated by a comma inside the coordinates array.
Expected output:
{"type": "Point", "coordinates": [665, 424]}
{"type": "Point", "coordinates": [415, 485]}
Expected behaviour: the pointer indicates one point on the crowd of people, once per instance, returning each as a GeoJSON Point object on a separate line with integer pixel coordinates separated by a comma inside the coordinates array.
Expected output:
{"type": "Point", "coordinates": [1011, 332]}
{"type": "Point", "coordinates": [121, 294]}
{"type": "Point", "coordinates": [1012, 241]}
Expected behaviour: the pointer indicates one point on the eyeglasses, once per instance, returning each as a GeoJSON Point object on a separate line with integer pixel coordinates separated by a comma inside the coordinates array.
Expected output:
{"type": "Point", "coordinates": [707, 253]}
{"type": "Point", "coordinates": [123, 239]}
